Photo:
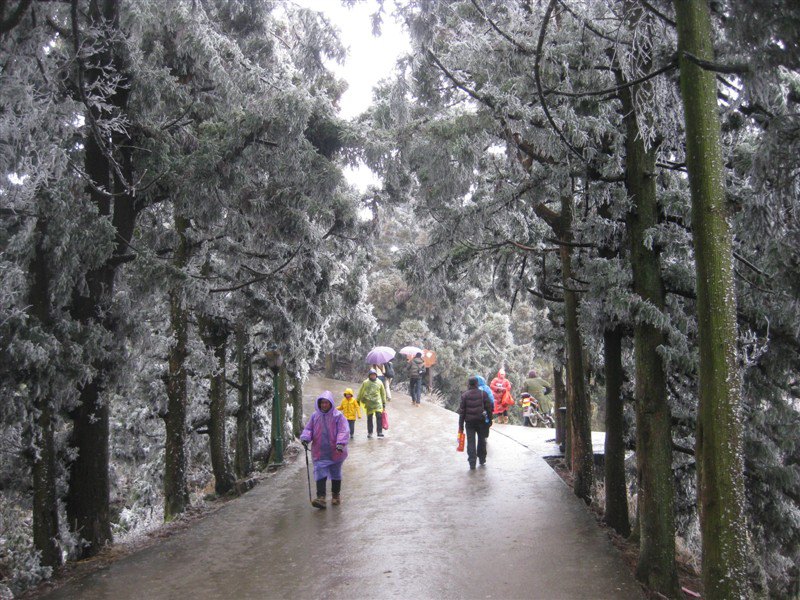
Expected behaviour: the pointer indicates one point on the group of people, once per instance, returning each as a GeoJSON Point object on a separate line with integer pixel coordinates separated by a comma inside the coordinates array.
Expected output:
{"type": "Point", "coordinates": [330, 429]}
{"type": "Point", "coordinates": [482, 404]}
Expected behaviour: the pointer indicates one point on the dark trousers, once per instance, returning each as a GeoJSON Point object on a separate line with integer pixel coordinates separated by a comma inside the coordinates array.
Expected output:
{"type": "Point", "coordinates": [415, 389]}
{"type": "Point", "coordinates": [352, 425]}
{"type": "Point", "coordinates": [378, 422]}
{"type": "Point", "coordinates": [473, 432]}
{"type": "Point", "coordinates": [336, 487]}
{"type": "Point", "coordinates": [527, 422]}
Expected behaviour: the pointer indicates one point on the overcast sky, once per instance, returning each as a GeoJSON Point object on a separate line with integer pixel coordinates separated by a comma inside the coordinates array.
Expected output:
{"type": "Point", "coordinates": [369, 60]}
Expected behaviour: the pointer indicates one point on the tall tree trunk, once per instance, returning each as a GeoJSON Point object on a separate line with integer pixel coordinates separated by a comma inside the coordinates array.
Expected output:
{"type": "Point", "coordinates": [244, 415]}
{"type": "Point", "coordinates": [726, 548]}
{"type": "Point", "coordinates": [330, 365]}
{"type": "Point", "coordinates": [176, 492]}
{"type": "Point", "coordinates": [559, 399]}
{"type": "Point", "coordinates": [283, 386]}
{"type": "Point", "coordinates": [45, 500]}
{"type": "Point", "coordinates": [578, 409]}
{"type": "Point", "coordinates": [87, 499]}
{"type": "Point", "coordinates": [215, 336]}
{"type": "Point", "coordinates": [297, 406]}
{"type": "Point", "coordinates": [616, 489]}
{"type": "Point", "coordinates": [656, 565]}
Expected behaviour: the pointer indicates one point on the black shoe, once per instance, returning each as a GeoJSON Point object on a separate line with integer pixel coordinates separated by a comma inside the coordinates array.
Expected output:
{"type": "Point", "coordinates": [380, 435]}
{"type": "Point", "coordinates": [471, 466]}
{"type": "Point", "coordinates": [369, 436]}
{"type": "Point", "coordinates": [483, 463]}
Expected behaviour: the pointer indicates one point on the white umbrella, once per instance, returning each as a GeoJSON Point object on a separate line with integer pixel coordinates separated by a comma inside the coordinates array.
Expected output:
{"type": "Point", "coordinates": [410, 350]}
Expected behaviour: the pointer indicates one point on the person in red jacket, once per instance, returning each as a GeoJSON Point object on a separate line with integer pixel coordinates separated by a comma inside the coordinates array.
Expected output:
{"type": "Point", "coordinates": [501, 390]}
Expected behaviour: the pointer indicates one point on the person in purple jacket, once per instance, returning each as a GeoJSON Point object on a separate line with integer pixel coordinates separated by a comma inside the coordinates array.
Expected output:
{"type": "Point", "coordinates": [328, 432]}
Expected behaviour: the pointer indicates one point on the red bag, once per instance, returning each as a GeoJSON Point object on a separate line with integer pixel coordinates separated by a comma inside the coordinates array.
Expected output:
{"type": "Point", "coordinates": [461, 439]}
{"type": "Point", "coordinates": [384, 420]}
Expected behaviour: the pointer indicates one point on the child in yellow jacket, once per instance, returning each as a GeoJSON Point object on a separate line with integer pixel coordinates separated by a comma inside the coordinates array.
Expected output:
{"type": "Point", "coordinates": [351, 409]}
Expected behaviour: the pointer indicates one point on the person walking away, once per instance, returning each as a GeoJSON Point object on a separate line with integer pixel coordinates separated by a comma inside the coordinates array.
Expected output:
{"type": "Point", "coordinates": [350, 409]}
{"type": "Point", "coordinates": [501, 390]}
{"type": "Point", "coordinates": [388, 374]}
{"type": "Point", "coordinates": [416, 371]}
{"type": "Point", "coordinates": [327, 432]}
{"type": "Point", "coordinates": [539, 390]}
{"type": "Point", "coordinates": [475, 408]}
{"type": "Point", "coordinates": [372, 396]}
{"type": "Point", "coordinates": [527, 409]}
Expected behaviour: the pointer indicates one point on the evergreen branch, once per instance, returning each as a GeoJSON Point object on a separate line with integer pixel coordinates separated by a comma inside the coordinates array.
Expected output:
{"type": "Point", "coordinates": [538, 77]}
{"type": "Point", "coordinates": [544, 296]}
{"type": "Point", "coordinates": [119, 259]}
{"type": "Point", "coordinates": [505, 35]}
{"type": "Point", "coordinates": [672, 166]}
{"type": "Point", "coordinates": [90, 182]}
{"type": "Point", "coordinates": [590, 26]}
{"type": "Point", "coordinates": [688, 294]}
{"type": "Point", "coordinates": [747, 263]}
{"type": "Point", "coordinates": [170, 124]}
{"type": "Point", "coordinates": [524, 247]}
{"type": "Point", "coordinates": [570, 289]}
{"type": "Point", "coordinates": [233, 384]}
{"type": "Point", "coordinates": [673, 64]}
{"type": "Point", "coordinates": [483, 99]}
{"type": "Point", "coordinates": [527, 149]}
{"type": "Point", "coordinates": [682, 449]}
{"type": "Point", "coordinates": [750, 283]}
{"type": "Point", "coordinates": [738, 69]}
{"type": "Point", "coordinates": [261, 278]}
{"type": "Point", "coordinates": [570, 244]}
{"type": "Point", "coordinates": [658, 13]}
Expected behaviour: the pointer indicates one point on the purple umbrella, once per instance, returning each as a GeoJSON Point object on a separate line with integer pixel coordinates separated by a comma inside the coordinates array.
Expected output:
{"type": "Point", "coordinates": [379, 355]}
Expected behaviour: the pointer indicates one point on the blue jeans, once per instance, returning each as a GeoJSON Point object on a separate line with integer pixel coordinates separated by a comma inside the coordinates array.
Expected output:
{"type": "Point", "coordinates": [415, 389]}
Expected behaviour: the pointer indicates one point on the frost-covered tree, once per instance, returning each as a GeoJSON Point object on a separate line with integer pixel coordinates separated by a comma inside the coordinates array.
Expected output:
{"type": "Point", "coordinates": [169, 164]}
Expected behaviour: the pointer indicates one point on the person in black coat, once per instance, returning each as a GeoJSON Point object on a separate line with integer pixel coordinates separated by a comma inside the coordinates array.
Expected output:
{"type": "Point", "coordinates": [475, 413]}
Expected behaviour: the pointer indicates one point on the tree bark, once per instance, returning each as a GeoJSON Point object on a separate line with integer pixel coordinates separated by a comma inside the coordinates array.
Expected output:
{"type": "Point", "coordinates": [106, 165]}
{"type": "Point", "coordinates": [578, 409]}
{"type": "Point", "coordinates": [330, 365]}
{"type": "Point", "coordinates": [726, 550]}
{"type": "Point", "coordinates": [45, 500]}
{"type": "Point", "coordinates": [215, 336]}
{"type": "Point", "coordinates": [244, 415]}
{"type": "Point", "coordinates": [560, 399]}
{"type": "Point", "coordinates": [176, 492]}
{"type": "Point", "coordinates": [656, 564]}
{"type": "Point", "coordinates": [297, 406]}
{"type": "Point", "coordinates": [616, 489]}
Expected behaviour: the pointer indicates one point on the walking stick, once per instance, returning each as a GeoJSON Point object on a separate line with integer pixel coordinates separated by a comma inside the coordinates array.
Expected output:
{"type": "Point", "coordinates": [308, 476]}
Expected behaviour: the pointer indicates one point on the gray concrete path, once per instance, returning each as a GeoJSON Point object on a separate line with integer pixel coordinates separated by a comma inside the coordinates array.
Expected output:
{"type": "Point", "coordinates": [414, 523]}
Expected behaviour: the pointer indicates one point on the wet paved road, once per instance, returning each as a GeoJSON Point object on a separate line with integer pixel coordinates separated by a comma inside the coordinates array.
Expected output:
{"type": "Point", "coordinates": [414, 523]}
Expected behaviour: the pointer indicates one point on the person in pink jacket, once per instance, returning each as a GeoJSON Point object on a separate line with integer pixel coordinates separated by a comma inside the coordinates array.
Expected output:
{"type": "Point", "coordinates": [328, 433]}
